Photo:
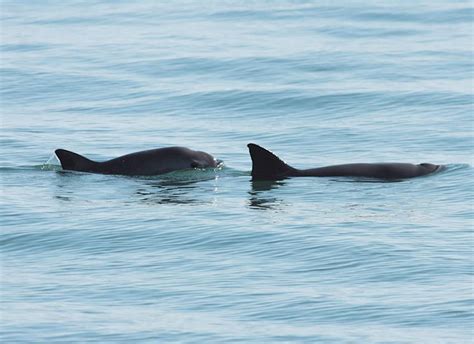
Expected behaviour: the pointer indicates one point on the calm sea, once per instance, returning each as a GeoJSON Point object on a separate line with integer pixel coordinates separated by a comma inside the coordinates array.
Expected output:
{"type": "Point", "coordinates": [209, 256]}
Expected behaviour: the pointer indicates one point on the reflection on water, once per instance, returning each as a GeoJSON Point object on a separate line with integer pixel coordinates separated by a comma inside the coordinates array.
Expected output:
{"type": "Point", "coordinates": [171, 192]}
{"type": "Point", "coordinates": [183, 187]}
{"type": "Point", "coordinates": [180, 187]}
{"type": "Point", "coordinates": [261, 198]}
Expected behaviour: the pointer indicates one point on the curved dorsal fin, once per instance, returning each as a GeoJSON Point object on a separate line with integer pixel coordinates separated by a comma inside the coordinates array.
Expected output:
{"type": "Point", "coordinates": [266, 165]}
{"type": "Point", "coordinates": [73, 161]}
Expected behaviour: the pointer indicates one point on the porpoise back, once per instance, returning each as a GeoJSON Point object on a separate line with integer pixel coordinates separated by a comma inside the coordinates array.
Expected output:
{"type": "Point", "coordinates": [144, 163]}
{"type": "Point", "coordinates": [267, 166]}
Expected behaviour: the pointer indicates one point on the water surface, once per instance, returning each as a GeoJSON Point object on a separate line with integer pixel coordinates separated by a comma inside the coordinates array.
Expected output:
{"type": "Point", "coordinates": [210, 256]}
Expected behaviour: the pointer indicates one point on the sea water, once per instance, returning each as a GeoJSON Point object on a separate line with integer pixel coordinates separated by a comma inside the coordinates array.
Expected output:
{"type": "Point", "coordinates": [210, 256]}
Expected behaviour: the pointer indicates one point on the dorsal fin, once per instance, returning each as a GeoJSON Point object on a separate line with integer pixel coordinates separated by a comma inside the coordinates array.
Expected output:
{"type": "Point", "coordinates": [74, 162]}
{"type": "Point", "coordinates": [266, 165]}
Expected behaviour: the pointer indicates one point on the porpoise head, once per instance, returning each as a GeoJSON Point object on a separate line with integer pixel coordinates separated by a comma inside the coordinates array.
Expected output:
{"type": "Point", "coordinates": [428, 168]}
{"type": "Point", "coordinates": [206, 160]}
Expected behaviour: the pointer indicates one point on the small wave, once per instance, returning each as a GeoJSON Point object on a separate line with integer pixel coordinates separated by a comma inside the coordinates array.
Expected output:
{"type": "Point", "coordinates": [455, 167]}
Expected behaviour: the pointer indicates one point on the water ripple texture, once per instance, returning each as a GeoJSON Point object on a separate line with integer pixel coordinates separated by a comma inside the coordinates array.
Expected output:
{"type": "Point", "coordinates": [208, 256]}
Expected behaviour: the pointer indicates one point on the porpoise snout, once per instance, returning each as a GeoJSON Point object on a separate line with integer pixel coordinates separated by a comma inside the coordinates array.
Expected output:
{"type": "Point", "coordinates": [430, 168]}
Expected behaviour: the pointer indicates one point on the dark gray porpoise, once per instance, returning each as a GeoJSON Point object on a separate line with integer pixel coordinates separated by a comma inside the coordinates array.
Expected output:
{"type": "Point", "coordinates": [267, 166]}
{"type": "Point", "coordinates": [145, 163]}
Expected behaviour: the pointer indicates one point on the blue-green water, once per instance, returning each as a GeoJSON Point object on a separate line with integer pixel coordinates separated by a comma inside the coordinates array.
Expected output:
{"type": "Point", "coordinates": [209, 256]}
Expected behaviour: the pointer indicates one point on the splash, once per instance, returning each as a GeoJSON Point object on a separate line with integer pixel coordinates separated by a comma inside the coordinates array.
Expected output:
{"type": "Point", "coordinates": [52, 164]}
